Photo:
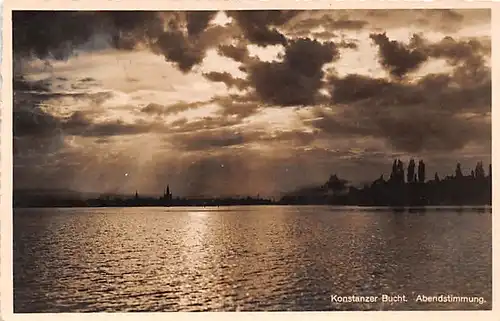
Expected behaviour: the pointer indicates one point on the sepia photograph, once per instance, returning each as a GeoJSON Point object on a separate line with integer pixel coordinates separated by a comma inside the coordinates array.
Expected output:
{"type": "Point", "coordinates": [251, 160]}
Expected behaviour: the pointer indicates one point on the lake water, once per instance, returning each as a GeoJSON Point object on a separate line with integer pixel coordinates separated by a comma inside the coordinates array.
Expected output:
{"type": "Point", "coordinates": [252, 258]}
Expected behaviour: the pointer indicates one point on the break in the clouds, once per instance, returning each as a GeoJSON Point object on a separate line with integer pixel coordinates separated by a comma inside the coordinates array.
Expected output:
{"type": "Point", "coordinates": [245, 102]}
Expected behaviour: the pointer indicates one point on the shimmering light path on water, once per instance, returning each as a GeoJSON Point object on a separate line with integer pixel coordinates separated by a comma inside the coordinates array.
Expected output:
{"type": "Point", "coordinates": [247, 258]}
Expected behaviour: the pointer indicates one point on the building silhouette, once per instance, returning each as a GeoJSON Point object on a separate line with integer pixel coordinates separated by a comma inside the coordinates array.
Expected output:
{"type": "Point", "coordinates": [167, 195]}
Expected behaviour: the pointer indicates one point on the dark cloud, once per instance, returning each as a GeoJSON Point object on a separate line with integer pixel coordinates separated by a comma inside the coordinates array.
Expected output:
{"type": "Point", "coordinates": [79, 124]}
{"type": "Point", "coordinates": [215, 36]}
{"type": "Point", "coordinates": [128, 28]}
{"type": "Point", "coordinates": [238, 53]}
{"type": "Point", "coordinates": [234, 107]}
{"type": "Point", "coordinates": [400, 59]}
{"type": "Point", "coordinates": [297, 79]}
{"type": "Point", "coordinates": [58, 33]}
{"type": "Point", "coordinates": [435, 113]}
{"type": "Point", "coordinates": [233, 137]}
{"type": "Point", "coordinates": [26, 92]}
{"type": "Point", "coordinates": [296, 138]}
{"type": "Point", "coordinates": [183, 106]}
{"type": "Point", "coordinates": [20, 84]}
{"type": "Point", "coordinates": [449, 19]}
{"type": "Point", "coordinates": [82, 124]}
{"type": "Point", "coordinates": [157, 109]}
{"type": "Point", "coordinates": [34, 122]}
{"type": "Point", "coordinates": [438, 114]}
{"type": "Point", "coordinates": [328, 22]}
{"type": "Point", "coordinates": [51, 34]}
{"type": "Point", "coordinates": [227, 79]}
{"type": "Point", "coordinates": [237, 106]}
{"type": "Point", "coordinates": [397, 58]}
{"type": "Point", "coordinates": [356, 87]}
{"type": "Point", "coordinates": [32, 117]}
{"type": "Point", "coordinates": [308, 56]}
{"type": "Point", "coordinates": [202, 124]}
{"type": "Point", "coordinates": [259, 26]}
{"type": "Point", "coordinates": [468, 57]}
{"type": "Point", "coordinates": [428, 131]}
{"type": "Point", "coordinates": [433, 19]}
{"type": "Point", "coordinates": [87, 79]}
{"type": "Point", "coordinates": [38, 123]}
{"type": "Point", "coordinates": [345, 23]}
{"type": "Point", "coordinates": [456, 52]}
{"type": "Point", "coordinates": [197, 21]}
{"type": "Point", "coordinates": [102, 140]}
{"type": "Point", "coordinates": [413, 131]}
{"type": "Point", "coordinates": [177, 48]}
{"type": "Point", "coordinates": [443, 20]}
{"type": "Point", "coordinates": [29, 118]}
{"type": "Point", "coordinates": [40, 33]}
{"type": "Point", "coordinates": [209, 139]}
{"type": "Point", "coordinates": [325, 35]}
{"type": "Point", "coordinates": [185, 47]}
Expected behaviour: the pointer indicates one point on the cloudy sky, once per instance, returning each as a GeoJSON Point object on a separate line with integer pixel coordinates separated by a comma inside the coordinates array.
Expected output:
{"type": "Point", "coordinates": [246, 102]}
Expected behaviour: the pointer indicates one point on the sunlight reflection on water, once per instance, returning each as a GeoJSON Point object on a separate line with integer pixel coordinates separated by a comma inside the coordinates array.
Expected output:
{"type": "Point", "coordinates": [245, 258]}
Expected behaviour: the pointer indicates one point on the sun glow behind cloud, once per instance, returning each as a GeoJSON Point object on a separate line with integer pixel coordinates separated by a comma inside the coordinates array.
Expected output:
{"type": "Point", "coordinates": [215, 62]}
{"type": "Point", "coordinates": [155, 107]}
{"type": "Point", "coordinates": [269, 53]}
{"type": "Point", "coordinates": [222, 19]}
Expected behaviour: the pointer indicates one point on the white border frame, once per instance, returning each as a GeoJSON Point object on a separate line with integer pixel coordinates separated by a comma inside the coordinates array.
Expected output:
{"type": "Point", "coordinates": [6, 281]}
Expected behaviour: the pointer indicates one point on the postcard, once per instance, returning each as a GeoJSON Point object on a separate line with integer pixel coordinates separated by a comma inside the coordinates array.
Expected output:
{"type": "Point", "coordinates": [311, 159]}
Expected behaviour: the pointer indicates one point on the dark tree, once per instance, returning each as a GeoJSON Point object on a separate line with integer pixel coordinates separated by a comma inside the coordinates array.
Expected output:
{"type": "Point", "coordinates": [436, 177]}
{"type": "Point", "coordinates": [401, 172]}
{"type": "Point", "coordinates": [394, 170]}
{"type": "Point", "coordinates": [379, 182]}
{"type": "Point", "coordinates": [397, 174]}
{"type": "Point", "coordinates": [458, 171]}
{"type": "Point", "coordinates": [479, 170]}
{"type": "Point", "coordinates": [335, 184]}
{"type": "Point", "coordinates": [421, 171]}
{"type": "Point", "coordinates": [411, 171]}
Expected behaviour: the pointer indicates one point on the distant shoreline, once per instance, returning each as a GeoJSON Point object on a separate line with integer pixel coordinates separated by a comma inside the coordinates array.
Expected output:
{"type": "Point", "coordinates": [396, 192]}
{"type": "Point", "coordinates": [409, 207]}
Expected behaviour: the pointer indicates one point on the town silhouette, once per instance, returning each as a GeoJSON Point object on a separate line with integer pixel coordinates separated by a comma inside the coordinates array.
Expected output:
{"type": "Point", "coordinates": [402, 188]}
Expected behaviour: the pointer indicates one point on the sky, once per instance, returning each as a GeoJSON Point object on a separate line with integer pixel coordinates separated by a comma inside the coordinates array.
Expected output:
{"type": "Point", "coordinates": [246, 102]}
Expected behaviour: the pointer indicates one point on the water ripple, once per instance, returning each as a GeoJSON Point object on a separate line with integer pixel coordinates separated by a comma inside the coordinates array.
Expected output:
{"type": "Point", "coordinates": [245, 259]}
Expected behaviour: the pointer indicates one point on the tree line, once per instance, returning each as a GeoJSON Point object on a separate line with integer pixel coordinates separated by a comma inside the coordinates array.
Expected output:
{"type": "Point", "coordinates": [412, 189]}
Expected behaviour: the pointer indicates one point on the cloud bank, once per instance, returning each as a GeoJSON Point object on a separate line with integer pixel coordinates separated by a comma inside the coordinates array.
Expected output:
{"type": "Point", "coordinates": [257, 98]}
